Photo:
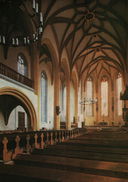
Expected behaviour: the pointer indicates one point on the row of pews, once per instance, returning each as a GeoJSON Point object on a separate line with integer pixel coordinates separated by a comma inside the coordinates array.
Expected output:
{"type": "Point", "coordinates": [81, 155]}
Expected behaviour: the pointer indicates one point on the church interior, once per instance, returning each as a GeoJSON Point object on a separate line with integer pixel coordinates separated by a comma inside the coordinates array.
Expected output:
{"type": "Point", "coordinates": [64, 90]}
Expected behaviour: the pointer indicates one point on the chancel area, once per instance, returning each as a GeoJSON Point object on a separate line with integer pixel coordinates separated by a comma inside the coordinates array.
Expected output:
{"type": "Point", "coordinates": [64, 90]}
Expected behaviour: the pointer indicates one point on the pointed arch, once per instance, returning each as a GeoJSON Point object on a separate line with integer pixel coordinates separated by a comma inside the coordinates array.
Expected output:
{"type": "Point", "coordinates": [52, 51]}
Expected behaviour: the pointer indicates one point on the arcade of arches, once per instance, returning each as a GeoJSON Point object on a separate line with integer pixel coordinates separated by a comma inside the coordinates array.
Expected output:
{"type": "Point", "coordinates": [81, 53]}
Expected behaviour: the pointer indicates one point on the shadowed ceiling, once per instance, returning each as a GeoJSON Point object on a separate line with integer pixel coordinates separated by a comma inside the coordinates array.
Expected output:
{"type": "Point", "coordinates": [93, 32]}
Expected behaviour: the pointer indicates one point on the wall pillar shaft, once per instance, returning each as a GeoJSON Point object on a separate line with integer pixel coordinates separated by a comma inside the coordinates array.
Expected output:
{"type": "Point", "coordinates": [68, 123]}
{"type": "Point", "coordinates": [76, 106]}
{"type": "Point", "coordinates": [56, 100]}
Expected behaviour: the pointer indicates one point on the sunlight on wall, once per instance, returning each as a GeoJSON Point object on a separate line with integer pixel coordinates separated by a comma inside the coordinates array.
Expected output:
{"type": "Point", "coordinates": [119, 89]}
{"type": "Point", "coordinates": [104, 97]}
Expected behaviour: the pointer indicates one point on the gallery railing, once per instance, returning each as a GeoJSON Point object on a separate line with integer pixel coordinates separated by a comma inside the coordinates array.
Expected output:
{"type": "Point", "coordinates": [25, 142]}
{"type": "Point", "coordinates": [10, 73]}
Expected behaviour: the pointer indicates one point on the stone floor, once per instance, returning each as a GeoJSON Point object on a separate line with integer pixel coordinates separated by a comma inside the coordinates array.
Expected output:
{"type": "Point", "coordinates": [97, 156]}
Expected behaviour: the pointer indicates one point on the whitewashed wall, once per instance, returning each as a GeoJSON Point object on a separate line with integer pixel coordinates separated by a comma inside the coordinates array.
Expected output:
{"type": "Point", "coordinates": [6, 82]}
{"type": "Point", "coordinates": [13, 119]}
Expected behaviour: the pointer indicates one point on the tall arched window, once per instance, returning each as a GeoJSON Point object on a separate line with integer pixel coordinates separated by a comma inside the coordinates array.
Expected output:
{"type": "Point", "coordinates": [119, 89]}
{"type": "Point", "coordinates": [63, 102]}
{"type": "Point", "coordinates": [44, 97]}
{"type": "Point", "coordinates": [89, 95]}
{"type": "Point", "coordinates": [21, 65]}
{"type": "Point", "coordinates": [72, 102]}
{"type": "Point", "coordinates": [104, 96]}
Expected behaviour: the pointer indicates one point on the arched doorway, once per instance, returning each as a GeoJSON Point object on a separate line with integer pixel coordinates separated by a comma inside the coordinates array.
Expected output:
{"type": "Point", "coordinates": [10, 99]}
{"type": "Point", "coordinates": [18, 120]}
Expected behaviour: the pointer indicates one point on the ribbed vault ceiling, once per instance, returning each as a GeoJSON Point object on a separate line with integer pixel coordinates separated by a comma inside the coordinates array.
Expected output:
{"type": "Point", "coordinates": [93, 32]}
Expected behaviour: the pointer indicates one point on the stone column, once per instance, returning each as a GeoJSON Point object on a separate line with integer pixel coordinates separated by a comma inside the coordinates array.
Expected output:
{"type": "Point", "coordinates": [68, 122]}
{"type": "Point", "coordinates": [57, 100]}
{"type": "Point", "coordinates": [97, 103]}
{"type": "Point", "coordinates": [95, 106]}
{"type": "Point", "coordinates": [83, 106]}
{"type": "Point", "coordinates": [124, 98]}
{"type": "Point", "coordinates": [35, 69]}
{"type": "Point", "coordinates": [76, 105]}
{"type": "Point", "coordinates": [35, 76]}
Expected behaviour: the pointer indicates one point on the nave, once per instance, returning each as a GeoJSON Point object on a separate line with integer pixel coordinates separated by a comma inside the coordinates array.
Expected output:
{"type": "Point", "coordinates": [63, 69]}
{"type": "Point", "coordinates": [99, 155]}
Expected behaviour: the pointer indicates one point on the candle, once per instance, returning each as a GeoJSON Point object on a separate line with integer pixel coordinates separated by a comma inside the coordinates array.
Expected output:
{"type": "Point", "coordinates": [17, 41]}
{"type": "Point", "coordinates": [28, 41]}
{"type": "Point", "coordinates": [40, 30]}
{"type": "Point", "coordinates": [37, 7]}
{"type": "Point", "coordinates": [3, 39]}
{"type": "Point", "coordinates": [25, 40]}
{"type": "Point", "coordinates": [41, 17]}
{"type": "Point", "coordinates": [34, 4]}
{"type": "Point", "coordinates": [34, 36]}
{"type": "Point", "coordinates": [13, 41]}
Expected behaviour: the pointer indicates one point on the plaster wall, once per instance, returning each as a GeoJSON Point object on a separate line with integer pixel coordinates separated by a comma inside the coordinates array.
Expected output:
{"type": "Point", "coordinates": [13, 120]}
{"type": "Point", "coordinates": [11, 60]}
{"type": "Point", "coordinates": [8, 83]}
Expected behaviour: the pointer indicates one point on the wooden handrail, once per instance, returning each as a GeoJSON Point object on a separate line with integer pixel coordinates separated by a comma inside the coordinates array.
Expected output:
{"type": "Point", "coordinates": [10, 73]}
{"type": "Point", "coordinates": [12, 144]}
